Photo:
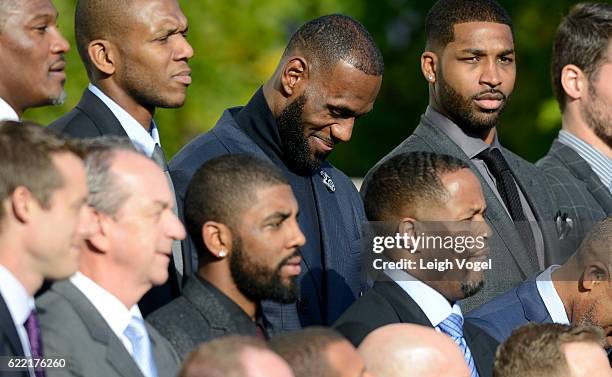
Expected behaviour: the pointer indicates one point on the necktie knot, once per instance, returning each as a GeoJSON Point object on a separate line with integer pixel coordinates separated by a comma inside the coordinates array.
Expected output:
{"type": "Point", "coordinates": [159, 157]}
{"type": "Point", "coordinates": [452, 326]}
{"type": "Point", "coordinates": [494, 159]}
{"type": "Point", "coordinates": [136, 332]}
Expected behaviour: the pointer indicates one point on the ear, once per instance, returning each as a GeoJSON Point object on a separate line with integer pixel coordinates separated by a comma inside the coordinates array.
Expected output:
{"type": "Point", "coordinates": [217, 238]}
{"type": "Point", "coordinates": [429, 66]}
{"type": "Point", "coordinates": [103, 55]}
{"type": "Point", "coordinates": [595, 274]}
{"type": "Point", "coordinates": [573, 81]}
{"type": "Point", "coordinates": [101, 227]}
{"type": "Point", "coordinates": [407, 226]}
{"type": "Point", "coordinates": [295, 71]}
{"type": "Point", "coordinates": [23, 204]}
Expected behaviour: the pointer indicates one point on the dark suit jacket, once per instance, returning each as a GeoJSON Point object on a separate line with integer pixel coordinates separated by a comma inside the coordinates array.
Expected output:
{"type": "Point", "coordinates": [511, 263]}
{"type": "Point", "coordinates": [340, 218]}
{"type": "Point", "coordinates": [511, 310]}
{"type": "Point", "coordinates": [388, 303]}
{"type": "Point", "coordinates": [92, 118]}
{"type": "Point", "coordinates": [72, 328]}
{"type": "Point", "coordinates": [579, 192]}
{"type": "Point", "coordinates": [196, 317]}
{"type": "Point", "coordinates": [10, 345]}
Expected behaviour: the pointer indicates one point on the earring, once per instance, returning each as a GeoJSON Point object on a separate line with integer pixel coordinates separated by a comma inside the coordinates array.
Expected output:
{"type": "Point", "coordinates": [222, 253]}
{"type": "Point", "coordinates": [430, 77]}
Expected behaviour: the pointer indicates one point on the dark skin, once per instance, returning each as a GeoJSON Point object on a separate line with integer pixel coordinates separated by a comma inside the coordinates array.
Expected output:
{"type": "Point", "coordinates": [480, 58]}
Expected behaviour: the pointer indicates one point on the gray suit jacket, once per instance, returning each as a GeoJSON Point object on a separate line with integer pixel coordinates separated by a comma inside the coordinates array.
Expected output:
{"type": "Point", "coordinates": [580, 193]}
{"type": "Point", "coordinates": [73, 329]}
{"type": "Point", "coordinates": [511, 264]}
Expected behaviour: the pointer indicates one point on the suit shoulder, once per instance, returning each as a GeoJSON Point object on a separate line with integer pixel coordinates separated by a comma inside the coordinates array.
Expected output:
{"type": "Point", "coordinates": [76, 124]}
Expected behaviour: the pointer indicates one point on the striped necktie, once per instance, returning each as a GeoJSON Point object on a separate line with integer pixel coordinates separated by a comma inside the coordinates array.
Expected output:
{"type": "Point", "coordinates": [142, 353]}
{"type": "Point", "coordinates": [453, 327]}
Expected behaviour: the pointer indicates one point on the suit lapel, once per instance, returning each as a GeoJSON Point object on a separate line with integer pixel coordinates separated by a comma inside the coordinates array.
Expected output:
{"type": "Point", "coordinates": [9, 330]}
{"type": "Point", "coordinates": [116, 354]}
{"type": "Point", "coordinates": [497, 217]}
{"type": "Point", "coordinates": [407, 310]}
{"type": "Point", "coordinates": [482, 346]}
{"type": "Point", "coordinates": [104, 119]}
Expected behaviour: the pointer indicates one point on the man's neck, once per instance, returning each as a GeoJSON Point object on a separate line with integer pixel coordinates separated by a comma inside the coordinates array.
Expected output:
{"type": "Point", "coordinates": [566, 289]}
{"type": "Point", "coordinates": [574, 124]}
{"type": "Point", "coordinates": [142, 114]}
{"type": "Point", "coordinates": [117, 286]}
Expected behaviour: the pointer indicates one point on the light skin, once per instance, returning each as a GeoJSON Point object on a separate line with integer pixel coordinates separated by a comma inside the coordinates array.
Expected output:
{"type": "Point", "coordinates": [147, 66]}
{"type": "Point", "coordinates": [461, 211]}
{"type": "Point", "coordinates": [130, 250]}
{"type": "Point", "coordinates": [408, 350]}
{"type": "Point", "coordinates": [32, 55]}
{"type": "Point", "coordinates": [345, 360]}
{"type": "Point", "coordinates": [582, 96]}
{"type": "Point", "coordinates": [270, 233]}
{"type": "Point", "coordinates": [264, 363]}
{"type": "Point", "coordinates": [33, 246]}
{"type": "Point", "coordinates": [336, 98]}
{"type": "Point", "coordinates": [479, 60]}
{"type": "Point", "coordinates": [586, 360]}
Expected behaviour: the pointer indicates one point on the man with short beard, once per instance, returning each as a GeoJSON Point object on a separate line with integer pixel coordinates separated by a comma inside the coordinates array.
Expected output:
{"type": "Point", "coordinates": [469, 66]}
{"type": "Point", "coordinates": [423, 194]}
{"type": "Point", "coordinates": [328, 76]}
{"type": "Point", "coordinates": [579, 163]}
{"type": "Point", "coordinates": [242, 216]}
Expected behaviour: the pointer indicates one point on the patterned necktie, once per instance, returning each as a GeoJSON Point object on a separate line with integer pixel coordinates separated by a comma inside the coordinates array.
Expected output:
{"type": "Point", "coordinates": [506, 186]}
{"type": "Point", "coordinates": [453, 327]}
{"type": "Point", "coordinates": [136, 332]}
{"type": "Point", "coordinates": [177, 254]}
{"type": "Point", "coordinates": [33, 330]}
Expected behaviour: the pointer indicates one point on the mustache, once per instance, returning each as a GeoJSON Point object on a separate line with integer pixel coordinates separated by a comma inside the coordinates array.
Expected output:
{"type": "Point", "coordinates": [296, 253]}
{"type": "Point", "coordinates": [490, 94]}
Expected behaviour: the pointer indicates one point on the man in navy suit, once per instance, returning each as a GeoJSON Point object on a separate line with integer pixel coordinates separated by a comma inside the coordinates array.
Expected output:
{"type": "Point", "coordinates": [42, 184]}
{"type": "Point", "coordinates": [329, 76]}
{"type": "Point", "coordinates": [578, 292]}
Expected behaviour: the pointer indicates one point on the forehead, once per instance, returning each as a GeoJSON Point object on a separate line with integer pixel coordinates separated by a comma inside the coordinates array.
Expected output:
{"type": "Point", "coordinates": [158, 14]}
{"type": "Point", "coordinates": [482, 35]}
{"type": "Point", "coordinates": [270, 199]}
{"type": "Point", "coordinates": [463, 187]}
{"type": "Point", "coordinates": [139, 176]}
{"type": "Point", "coordinates": [28, 9]}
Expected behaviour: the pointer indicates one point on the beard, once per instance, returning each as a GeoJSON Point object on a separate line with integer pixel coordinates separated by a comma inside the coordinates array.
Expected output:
{"type": "Point", "coordinates": [470, 288]}
{"type": "Point", "coordinates": [258, 282]}
{"type": "Point", "coordinates": [60, 99]}
{"type": "Point", "coordinates": [297, 153]}
{"type": "Point", "coordinates": [462, 111]}
{"type": "Point", "coordinates": [598, 116]}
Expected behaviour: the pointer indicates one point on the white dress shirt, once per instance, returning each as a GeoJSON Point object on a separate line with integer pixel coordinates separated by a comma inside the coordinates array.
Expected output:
{"type": "Point", "coordinates": [7, 112]}
{"type": "Point", "coordinates": [141, 138]}
{"type": "Point", "coordinates": [116, 315]}
{"type": "Point", "coordinates": [19, 305]}
{"type": "Point", "coordinates": [551, 298]}
{"type": "Point", "coordinates": [435, 306]}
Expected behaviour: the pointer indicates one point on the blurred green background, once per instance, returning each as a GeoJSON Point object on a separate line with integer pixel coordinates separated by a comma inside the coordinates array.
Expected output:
{"type": "Point", "coordinates": [238, 43]}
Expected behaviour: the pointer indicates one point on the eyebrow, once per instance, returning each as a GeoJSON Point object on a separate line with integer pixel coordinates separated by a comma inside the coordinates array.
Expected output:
{"type": "Point", "coordinates": [480, 52]}
{"type": "Point", "coordinates": [278, 216]}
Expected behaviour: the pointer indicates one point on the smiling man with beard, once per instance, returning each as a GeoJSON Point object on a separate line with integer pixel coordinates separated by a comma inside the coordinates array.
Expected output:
{"type": "Point", "coordinates": [328, 76]}
{"type": "Point", "coordinates": [469, 65]}
{"type": "Point", "coordinates": [242, 215]}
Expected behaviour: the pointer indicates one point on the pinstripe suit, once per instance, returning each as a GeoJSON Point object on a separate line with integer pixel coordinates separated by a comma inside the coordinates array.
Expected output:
{"type": "Point", "coordinates": [578, 192]}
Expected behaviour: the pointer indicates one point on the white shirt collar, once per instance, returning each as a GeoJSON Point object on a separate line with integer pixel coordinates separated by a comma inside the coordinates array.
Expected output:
{"type": "Point", "coordinates": [19, 304]}
{"type": "Point", "coordinates": [141, 138]}
{"type": "Point", "coordinates": [435, 306]}
{"type": "Point", "coordinates": [551, 298]}
{"type": "Point", "coordinates": [7, 112]}
{"type": "Point", "coordinates": [116, 315]}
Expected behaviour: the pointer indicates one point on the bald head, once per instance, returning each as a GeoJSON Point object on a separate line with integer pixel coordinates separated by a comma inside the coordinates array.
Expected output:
{"type": "Point", "coordinates": [404, 350]}
{"type": "Point", "coordinates": [597, 245]}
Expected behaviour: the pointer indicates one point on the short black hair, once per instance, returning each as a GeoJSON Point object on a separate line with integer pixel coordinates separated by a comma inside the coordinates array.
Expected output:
{"type": "Point", "coordinates": [305, 350]}
{"type": "Point", "coordinates": [331, 38]}
{"type": "Point", "coordinates": [445, 14]}
{"type": "Point", "coordinates": [222, 189]}
{"type": "Point", "coordinates": [98, 19]}
{"type": "Point", "coordinates": [405, 180]}
{"type": "Point", "coordinates": [582, 39]}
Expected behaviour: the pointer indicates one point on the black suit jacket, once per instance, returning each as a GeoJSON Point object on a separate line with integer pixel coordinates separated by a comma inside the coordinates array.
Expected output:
{"type": "Point", "coordinates": [92, 118]}
{"type": "Point", "coordinates": [388, 303]}
{"type": "Point", "coordinates": [10, 345]}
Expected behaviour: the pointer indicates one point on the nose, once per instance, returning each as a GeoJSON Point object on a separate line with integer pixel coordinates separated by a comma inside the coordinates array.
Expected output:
{"type": "Point", "coordinates": [176, 230]}
{"type": "Point", "coordinates": [296, 238]}
{"type": "Point", "coordinates": [491, 75]}
{"type": "Point", "coordinates": [184, 51]}
{"type": "Point", "coordinates": [59, 45]}
{"type": "Point", "coordinates": [343, 130]}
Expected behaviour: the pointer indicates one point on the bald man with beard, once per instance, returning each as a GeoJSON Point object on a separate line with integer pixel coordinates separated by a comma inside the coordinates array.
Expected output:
{"type": "Point", "coordinates": [408, 350]}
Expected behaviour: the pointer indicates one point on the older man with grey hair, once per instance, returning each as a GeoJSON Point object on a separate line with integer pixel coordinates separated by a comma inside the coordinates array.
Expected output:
{"type": "Point", "coordinates": [95, 312]}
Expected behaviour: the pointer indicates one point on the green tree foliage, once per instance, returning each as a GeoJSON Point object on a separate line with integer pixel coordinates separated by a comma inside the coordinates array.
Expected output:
{"type": "Point", "coordinates": [238, 43]}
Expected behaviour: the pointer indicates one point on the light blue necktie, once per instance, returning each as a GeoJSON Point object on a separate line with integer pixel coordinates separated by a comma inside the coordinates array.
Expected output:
{"type": "Point", "coordinates": [453, 327]}
{"type": "Point", "coordinates": [136, 332]}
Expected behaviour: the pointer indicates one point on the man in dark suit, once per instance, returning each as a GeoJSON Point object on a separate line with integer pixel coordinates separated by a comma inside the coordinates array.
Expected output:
{"type": "Point", "coordinates": [242, 216]}
{"type": "Point", "coordinates": [136, 55]}
{"type": "Point", "coordinates": [425, 195]}
{"type": "Point", "coordinates": [578, 292]}
{"type": "Point", "coordinates": [32, 62]}
{"type": "Point", "coordinates": [92, 320]}
{"type": "Point", "coordinates": [579, 163]}
{"type": "Point", "coordinates": [469, 65]}
{"type": "Point", "coordinates": [329, 76]}
{"type": "Point", "coordinates": [42, 184]}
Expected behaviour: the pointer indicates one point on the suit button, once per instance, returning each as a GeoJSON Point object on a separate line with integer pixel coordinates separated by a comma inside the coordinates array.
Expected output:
{"type": "Point", "coordinates": [302, 303]}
